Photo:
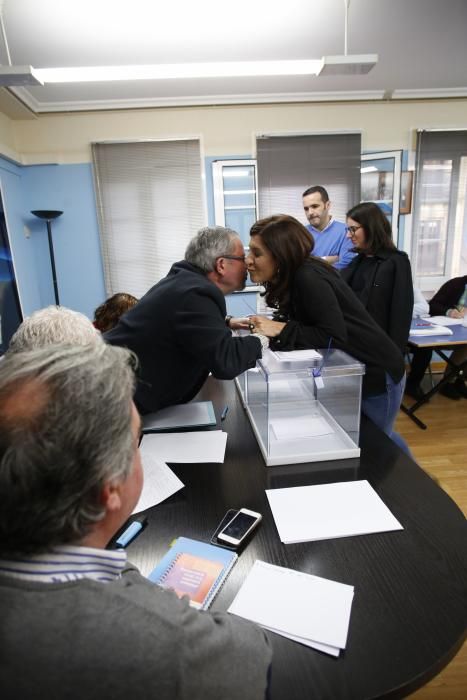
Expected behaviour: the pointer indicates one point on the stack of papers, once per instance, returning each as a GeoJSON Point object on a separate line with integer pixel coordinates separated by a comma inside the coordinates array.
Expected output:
{"type": "Point", "coordinates": [326, 511]}
{"type": "Point", "coordinates": [198, 414]}
{"type": "Point", "coordinates": [307, 609]}
{"type": "Point", "coordinates": [425, 327]}
{"type": "Point", "coordinates": [206, 446]}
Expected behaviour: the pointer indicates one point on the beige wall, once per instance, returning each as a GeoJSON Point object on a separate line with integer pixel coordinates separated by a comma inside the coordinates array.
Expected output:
{"type": "Point", "coordinates": [225, 130]}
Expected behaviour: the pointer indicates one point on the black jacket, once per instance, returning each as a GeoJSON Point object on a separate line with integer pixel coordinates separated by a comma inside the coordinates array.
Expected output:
{"type": "Point", "coordinates": [323, 307]}
{"type": "Point", "coordinates": [388, 292]}
{"type": "Point", "coordinates": [447, 296]}
{"type": "Point", "coordinates": [178, 332]}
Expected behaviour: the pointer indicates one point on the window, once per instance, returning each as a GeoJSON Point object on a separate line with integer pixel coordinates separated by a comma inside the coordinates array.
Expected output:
{"type": "Point", "coordinates": [288, 165]}
{"type": "Point", "coordinates": [150, 204]}
{"type": "Point", "coordinates": [235, 205]}
{"type": "Point", "coordinates": [439, 246]}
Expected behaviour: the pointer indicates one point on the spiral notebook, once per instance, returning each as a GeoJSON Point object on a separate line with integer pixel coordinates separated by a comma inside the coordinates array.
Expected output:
{"type": "Point", "coordinates": [195, 569]}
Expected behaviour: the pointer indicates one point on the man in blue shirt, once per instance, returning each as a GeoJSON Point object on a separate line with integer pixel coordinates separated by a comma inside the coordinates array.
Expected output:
{"type": "Point", "coordinates": [331, 242]}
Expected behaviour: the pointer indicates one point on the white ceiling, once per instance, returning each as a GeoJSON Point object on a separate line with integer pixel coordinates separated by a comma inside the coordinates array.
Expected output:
{"type": "Point", "coordinates": [422, 48]}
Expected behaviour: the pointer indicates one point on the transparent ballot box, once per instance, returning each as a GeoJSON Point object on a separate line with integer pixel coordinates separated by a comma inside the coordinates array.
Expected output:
{"type": "Point", "coordinates": [304, 410]}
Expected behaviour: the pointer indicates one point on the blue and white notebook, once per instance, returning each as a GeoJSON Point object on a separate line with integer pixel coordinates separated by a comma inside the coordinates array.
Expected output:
{"type": "Point", "coordinates": [195, 569]}
{"type": "Point", "coordinates": [198, 414]}
{"type": "Point", "coordinates": [422, 326]}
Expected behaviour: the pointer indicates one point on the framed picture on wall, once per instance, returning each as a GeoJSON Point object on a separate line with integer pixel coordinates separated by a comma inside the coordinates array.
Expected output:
{"type": "Point", "coordinates": [406, 192]}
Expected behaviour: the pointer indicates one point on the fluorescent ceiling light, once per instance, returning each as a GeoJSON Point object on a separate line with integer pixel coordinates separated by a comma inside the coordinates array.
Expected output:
{"type": "Point", "coordinates": [356, 64]}
{"type": "Point", "coordinates": [172, 71]}
{"type": "Point", "coordinates": [18, 75]}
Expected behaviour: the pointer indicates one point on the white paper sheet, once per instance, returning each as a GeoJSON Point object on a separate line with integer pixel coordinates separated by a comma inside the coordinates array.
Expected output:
{"type": "Point", "coordinates": [445, 321]}
{"type": "Point", "coordinates": [304, 607]}
{"type": "Point", "coordinates": [430, 330]}
{"type": "Point", "coordinates": [284, 356]}
{"type": "Point", "coordinates": [193, 447]}
{"type": "Point", "coordinates": [185, 415]}
{"type": "Point", "coordinates": [159, 481]}
{"type": "Point", "coordinates": [326, 511]}
{"type": "Point", "coordinates": [293, 428]}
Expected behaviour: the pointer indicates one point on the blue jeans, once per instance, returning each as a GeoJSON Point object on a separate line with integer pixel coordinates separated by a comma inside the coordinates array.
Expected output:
{"type": "Point", "coordinates": [382, 409]}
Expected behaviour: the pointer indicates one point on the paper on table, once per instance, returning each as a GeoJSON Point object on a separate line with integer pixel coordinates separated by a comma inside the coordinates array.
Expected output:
{"type": "Point", "coordinates": [159, 481]}
{"type": "Point", "coordinates": [284, 356]}
{"type": "Point", "coordinates": [445, 321]}
{"type": "Point", "coordinates": [430, 330]}
{"type": "Point", "coordinates": [291, 428]}
{"type": "Point", "coordinates": [195, 447]}
{"type": "Point", "coordinates": [297, 604]}
{"type": "Point", "coordinates": [326, 511]}
{"type": "Point", "coordinates": [327, 648]}
{"type": "Point", "coordinates": [185, 415]}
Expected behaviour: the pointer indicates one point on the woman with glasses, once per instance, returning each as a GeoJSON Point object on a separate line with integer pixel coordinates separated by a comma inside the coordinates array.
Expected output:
{"type": "Point", "coordinates": [316, 309]}
{"type": "Point", "coordinates": [380, 275]}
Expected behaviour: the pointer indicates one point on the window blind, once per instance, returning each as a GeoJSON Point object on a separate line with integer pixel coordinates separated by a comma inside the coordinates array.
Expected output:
{"type": "Point", "coordinates": [288, 165]}
{"type": "Point", "coordinates": [439, 243]}
{"type": "Point", "coordinates": [149, 201]}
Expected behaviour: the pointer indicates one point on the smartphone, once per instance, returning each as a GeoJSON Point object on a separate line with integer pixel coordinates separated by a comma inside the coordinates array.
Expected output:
{"type": "Point", "coordinates": [239, 527]}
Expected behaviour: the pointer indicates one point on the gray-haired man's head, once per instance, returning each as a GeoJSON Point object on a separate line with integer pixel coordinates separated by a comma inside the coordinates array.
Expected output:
{"type": "Point", "coordinates": [209, 244]}
{"type": "Point", "coordinates": [51, 326]}
{"type": "Point", "coordinates": [66, 426]}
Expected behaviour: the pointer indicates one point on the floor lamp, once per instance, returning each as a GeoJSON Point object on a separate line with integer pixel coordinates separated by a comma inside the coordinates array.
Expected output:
{"type": "Point", "coordinates": [49, 215]}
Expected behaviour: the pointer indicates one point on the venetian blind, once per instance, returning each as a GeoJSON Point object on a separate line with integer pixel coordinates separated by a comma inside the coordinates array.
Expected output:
{"type": "Point", "coordinates": [439, 243]}
{"type": "Point", "coordinates": [288, 165]}
{"type": "Point", "coordinates": [149, 201]}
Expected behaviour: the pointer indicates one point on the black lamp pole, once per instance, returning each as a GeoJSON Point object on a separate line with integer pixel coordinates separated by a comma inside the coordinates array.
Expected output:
{"type": "Point", "coordinates": [49, 215]}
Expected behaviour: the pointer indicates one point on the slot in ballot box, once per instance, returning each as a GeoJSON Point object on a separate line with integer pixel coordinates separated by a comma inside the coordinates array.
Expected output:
{"type": "Point", "coordinates": [304, 410]}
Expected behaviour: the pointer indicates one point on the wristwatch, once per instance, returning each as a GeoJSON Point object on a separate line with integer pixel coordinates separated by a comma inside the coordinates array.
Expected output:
{"type": "Point", "coordinates": [227, 321]}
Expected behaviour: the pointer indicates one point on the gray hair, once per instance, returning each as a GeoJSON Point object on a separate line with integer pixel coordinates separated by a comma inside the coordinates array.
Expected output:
{"type": "Point", "coordinates": [51, 326]}
{"type": "Point", "coordinates": [65, 430]}
{"type": "Point", "coordinates": [209, 244]}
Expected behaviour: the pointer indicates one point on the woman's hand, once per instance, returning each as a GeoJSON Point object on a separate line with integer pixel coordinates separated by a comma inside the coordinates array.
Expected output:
{"type": "Point", "coordinates": [263, 325]}
{"type": "Point", "coordinates": [455, 313]}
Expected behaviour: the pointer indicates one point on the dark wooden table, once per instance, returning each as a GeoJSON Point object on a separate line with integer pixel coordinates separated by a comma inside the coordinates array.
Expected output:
{"type": "Point", "coordinates": [409, 612]}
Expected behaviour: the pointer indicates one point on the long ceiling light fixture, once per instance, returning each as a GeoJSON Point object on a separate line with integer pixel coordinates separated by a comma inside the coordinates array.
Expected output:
{"type": "Point", "coordinates": [328, 65]}
{"type": "Point", "coordinates": [172, 71]}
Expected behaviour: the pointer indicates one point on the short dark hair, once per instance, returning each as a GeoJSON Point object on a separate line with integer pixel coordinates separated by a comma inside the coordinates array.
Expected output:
{"type": "Point", "coordinates": [291, 245]}
{"type": "Point", "coordinates": [65, 430]}
{"type": "Point", "coordinates": [317, 188]}
{"type": "Point", "coordinates": [107, 315]}
{"type": "Point", "coordinates": [377, 228]}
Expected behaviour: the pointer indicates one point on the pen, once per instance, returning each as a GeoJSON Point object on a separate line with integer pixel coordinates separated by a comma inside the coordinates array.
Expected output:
{"type": "Point", "coordinates": [224, 412]}
{"type": "Point", "coordinates": [131, 532]}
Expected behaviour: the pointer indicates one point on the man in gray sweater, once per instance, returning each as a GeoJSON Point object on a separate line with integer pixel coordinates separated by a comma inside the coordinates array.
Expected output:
{"type": "Point", "coordinates": [76, 621]}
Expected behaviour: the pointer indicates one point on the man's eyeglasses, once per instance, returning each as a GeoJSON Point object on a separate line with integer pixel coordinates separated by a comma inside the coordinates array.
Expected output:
{"type": "Point", "coordinates": [233, 257]}
{"type": "Point", "coordinates": [352, 229]}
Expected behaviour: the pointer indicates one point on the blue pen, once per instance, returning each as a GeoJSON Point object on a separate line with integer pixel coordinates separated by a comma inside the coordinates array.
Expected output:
{"type": "Point", "coordinates": [224, 412]}
{"type": "Point", "coordinates": [131, 532]}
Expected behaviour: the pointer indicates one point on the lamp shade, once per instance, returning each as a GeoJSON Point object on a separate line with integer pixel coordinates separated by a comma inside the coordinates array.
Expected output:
{"type": "Point", "coordinates": [47, 213]}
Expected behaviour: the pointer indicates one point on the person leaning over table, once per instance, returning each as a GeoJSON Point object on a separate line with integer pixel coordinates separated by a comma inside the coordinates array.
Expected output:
{"type": "Point", "coordinates": [77, 620]}
{"type": "Point", "coordinates": [179, 329]}
{"type": "Point", "coordinates": [317, 309]}
{"type": "Point", "coordinates": [380, 275]}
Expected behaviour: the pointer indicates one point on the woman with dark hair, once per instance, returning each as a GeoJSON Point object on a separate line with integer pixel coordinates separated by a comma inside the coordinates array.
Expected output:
{"type": "Point", "coordinates": [316, 309]}
{"type": "Point", "coordinates": [380, 275]}
{"type": "Point", "coordinates": [107, 315]}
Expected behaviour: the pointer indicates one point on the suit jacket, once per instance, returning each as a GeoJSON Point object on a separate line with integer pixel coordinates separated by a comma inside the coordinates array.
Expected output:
{"type": "Point", "coordinates": [388, 294]}
{"type": "Point", "coordinates": [178, 332]}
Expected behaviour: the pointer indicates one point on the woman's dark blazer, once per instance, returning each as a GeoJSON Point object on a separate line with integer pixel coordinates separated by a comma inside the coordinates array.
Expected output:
{"type": "Point", "coordinates": [388, 295]}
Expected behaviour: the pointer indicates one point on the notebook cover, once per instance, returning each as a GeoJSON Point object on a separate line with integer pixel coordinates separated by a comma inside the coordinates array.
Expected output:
{"type": "Point", "coordinates": [193, 568]}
